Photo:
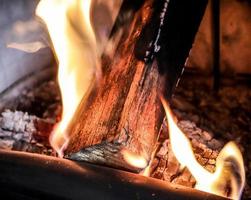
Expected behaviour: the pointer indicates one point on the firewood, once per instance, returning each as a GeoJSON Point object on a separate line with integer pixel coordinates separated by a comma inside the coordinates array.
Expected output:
{"type": "Point", "coordinates": [126, 109]}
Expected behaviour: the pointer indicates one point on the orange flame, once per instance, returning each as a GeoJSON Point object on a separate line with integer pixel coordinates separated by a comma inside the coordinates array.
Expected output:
{"type": "Point", "coordinates": [229, 177]}
{"type": "Point", "coordinates": [76, 50]}
{"type": "Point", "coordinates": [134, 159]}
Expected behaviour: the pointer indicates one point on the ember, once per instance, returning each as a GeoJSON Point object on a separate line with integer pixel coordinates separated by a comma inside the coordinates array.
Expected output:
{"type": "Point", "coordinates": [229, 177]}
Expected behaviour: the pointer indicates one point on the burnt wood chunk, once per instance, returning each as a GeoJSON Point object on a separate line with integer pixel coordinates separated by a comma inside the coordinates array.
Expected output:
{"type": "Point", "coordinates": [106, 154]}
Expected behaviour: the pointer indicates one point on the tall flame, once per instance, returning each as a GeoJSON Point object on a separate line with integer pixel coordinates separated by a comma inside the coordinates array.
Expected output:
{"type": "Point", "coordinates": [74, 42]}
{"type": "Point", "coordinates": [229, 177]}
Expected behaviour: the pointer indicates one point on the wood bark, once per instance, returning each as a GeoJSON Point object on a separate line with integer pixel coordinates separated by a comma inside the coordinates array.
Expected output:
{"type": "Point", "coordinates": [125, 110]}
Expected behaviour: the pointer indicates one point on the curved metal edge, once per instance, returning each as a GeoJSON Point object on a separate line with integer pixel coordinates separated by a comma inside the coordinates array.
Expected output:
{"type": "Point", "coordinates": [44, 177]}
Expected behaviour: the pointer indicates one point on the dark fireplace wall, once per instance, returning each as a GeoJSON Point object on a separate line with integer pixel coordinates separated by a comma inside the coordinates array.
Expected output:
{"type": "Point", "coordinates": [235, 38]}
{"type": "Point", "coordinates": [18, 26]}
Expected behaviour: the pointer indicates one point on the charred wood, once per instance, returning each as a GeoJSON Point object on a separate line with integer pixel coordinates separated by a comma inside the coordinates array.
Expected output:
{"type": "Point", "coordinates": [168, 36]}
{"type": "Point", "coordinates": [125, 109]}
{"type": "Point", "coordinates": [106, 154]}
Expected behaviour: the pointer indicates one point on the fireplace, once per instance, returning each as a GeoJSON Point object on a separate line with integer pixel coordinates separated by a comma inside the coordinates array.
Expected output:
{"type": "Point", "coordinates": [133, 132]}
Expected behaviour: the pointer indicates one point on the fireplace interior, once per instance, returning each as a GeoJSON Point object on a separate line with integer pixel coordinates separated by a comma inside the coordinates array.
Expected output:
{"type": "Point", "coordinates": [211, 104]}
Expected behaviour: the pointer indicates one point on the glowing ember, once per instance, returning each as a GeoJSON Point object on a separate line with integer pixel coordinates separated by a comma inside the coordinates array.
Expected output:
{"type": "Point", "coordinates": [229, 177]}
{"type": "Point", "coordinates": [134, 159]}
{"type": "Point", "coordinates": [75, 48]}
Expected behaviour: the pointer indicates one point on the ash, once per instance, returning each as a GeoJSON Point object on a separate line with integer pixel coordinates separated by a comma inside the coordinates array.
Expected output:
{"type": "Point", "coordinates": [27, 123]}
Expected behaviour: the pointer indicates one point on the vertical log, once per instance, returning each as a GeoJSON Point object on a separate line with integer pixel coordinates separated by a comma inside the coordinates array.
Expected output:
{"type": "Point", "coordinates": [125, 114]}
{"type": "Point", "coordinates": [125, 109]}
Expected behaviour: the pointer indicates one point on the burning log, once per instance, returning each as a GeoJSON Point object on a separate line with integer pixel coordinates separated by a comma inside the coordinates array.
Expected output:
{"type": "Point", "coordinates": [126, 109]}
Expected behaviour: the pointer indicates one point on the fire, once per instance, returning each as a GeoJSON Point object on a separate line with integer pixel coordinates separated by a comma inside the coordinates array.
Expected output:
{"type": "Point", "coordinates": [77, 51]}
{"type": "Point", "coordinates": [229, 177]}
{"type": "Point", "coordinates": [74, 42]}
{"type": "Point", "coordinates": [134, 159]}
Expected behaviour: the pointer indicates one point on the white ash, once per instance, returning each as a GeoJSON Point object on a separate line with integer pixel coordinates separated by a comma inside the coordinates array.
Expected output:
{"type": "Point", "coordinates": [6, 144]}
{"type": "Point", "coordinates": [5, 133]}
{"type": "Point", "coordinates": [17, 121]}
{"type": "Point", "coordinates": [17, 130]}
{"type": "Point", "coordinates": [18, 136]}
{"type": "Point", "coordinates": [16, 127]}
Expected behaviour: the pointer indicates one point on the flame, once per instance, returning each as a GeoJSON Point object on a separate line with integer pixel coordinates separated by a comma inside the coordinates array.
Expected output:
{"type": "Point", "coordinates": [229, 177]}
{"type": "Point", "coordinates": [134, 159]}
{"type": "Point", "coordinates": [74, 42]}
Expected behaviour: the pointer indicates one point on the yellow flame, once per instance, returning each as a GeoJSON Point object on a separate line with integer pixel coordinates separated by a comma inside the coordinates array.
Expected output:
{"type": "Point", "coordinates": [134, 159]}
{"type": "Point", "coordinates": [229, 177]}
{"type": "Point", "coordinates": [74, 42]}
{"type": "Point", "coordinates": [146, 171]}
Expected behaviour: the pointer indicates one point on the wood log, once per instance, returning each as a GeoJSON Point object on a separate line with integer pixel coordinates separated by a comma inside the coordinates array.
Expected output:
{"type": "Point", "coordinates": [125, 112]}
{"type": "Point", "coordinates": [126, 109]}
